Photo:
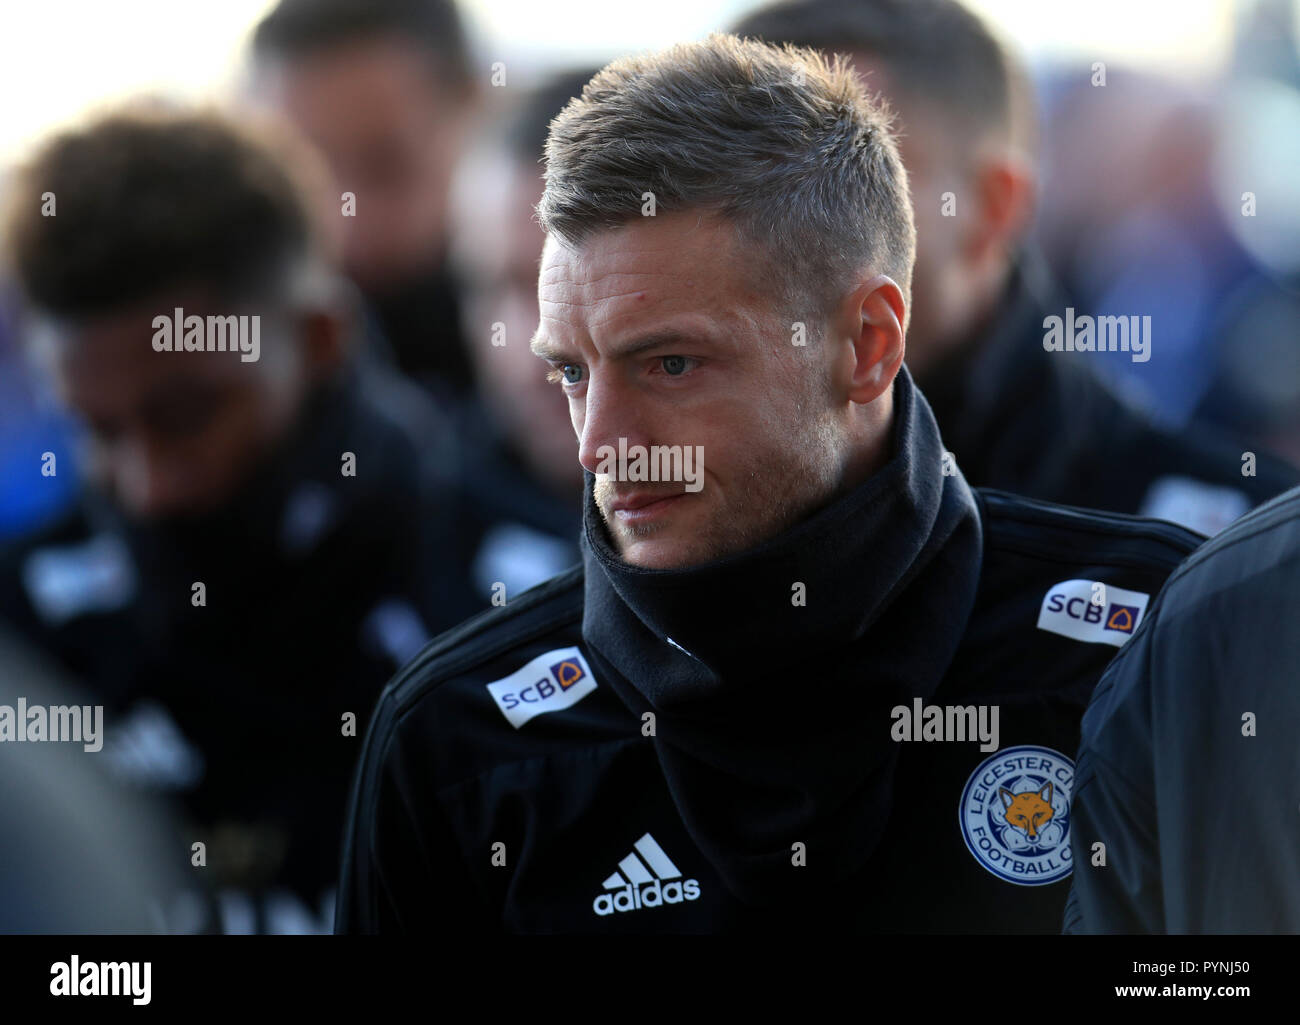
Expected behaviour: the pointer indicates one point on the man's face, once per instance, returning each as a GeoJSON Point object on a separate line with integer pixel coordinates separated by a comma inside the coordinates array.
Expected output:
{"type": "Point", "coordinates": [391, 135]}
{"type": "Point", "coordinates": [172, 434]}
{"type": "Point", "coordinates": [661, 336]}
{"type": "Point", "coordinates": [942, 287]}
{"type": "Point", "coordinates": [502, 245]}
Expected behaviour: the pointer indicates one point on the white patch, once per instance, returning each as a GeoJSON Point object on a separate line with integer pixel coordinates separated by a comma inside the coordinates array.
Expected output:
{"type": "Point", "coordinates": [519, 557]}
{"type": "Point", "coordinates": [94, 576]}
{"type": "Point", "coordinates": [395, 628]}
{"type": "Point", "coordinates": [552, 681]}
{"type": "Point", "coordinates": [147, 749]}
{"type": "Point", "coordinates": [1092, 611]}
{"type": "Point", "coordinates": [1206, 508]}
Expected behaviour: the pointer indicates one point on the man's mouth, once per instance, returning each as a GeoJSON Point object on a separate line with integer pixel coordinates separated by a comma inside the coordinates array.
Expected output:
{"type": "Point", "coordinates": [641, 506]}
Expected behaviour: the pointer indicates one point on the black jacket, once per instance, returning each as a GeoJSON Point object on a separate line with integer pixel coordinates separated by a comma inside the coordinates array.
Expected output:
{"type": "Point", "coordinates": [520, 532]}
{"type": "Point", "coordinates": [712, 749]}
{"type": "Point", "coordinates": [1189, 763]}
{"type": "Point", "coordinates": [1043, 424]}
{"type": "Point", "coordinates": [318, 586]}
{"type": "Point", "coordinates": [415, 327]}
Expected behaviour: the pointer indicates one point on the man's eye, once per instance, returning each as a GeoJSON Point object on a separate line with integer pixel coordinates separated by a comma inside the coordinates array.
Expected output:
{"type": "Point", "coordinates": [675, 366]}
{"type": "Point", "coordinates": [569, 373]}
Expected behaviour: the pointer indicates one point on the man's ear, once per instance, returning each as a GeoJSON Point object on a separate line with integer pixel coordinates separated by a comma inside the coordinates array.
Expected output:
{"type": "Point", "coordinates": [877, 324]}
{"type": "Point", "coordinates": [1006, 191]}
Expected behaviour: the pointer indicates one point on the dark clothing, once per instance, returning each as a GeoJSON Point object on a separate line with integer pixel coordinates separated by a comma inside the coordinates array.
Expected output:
{"type": "Point", "coordinates": [1042, 424]}
{"type": "Point", "coordinates": [316, 583]}
{"type": "Point", "coordinates": [1194, 801]}
{"type": "Point", "coordinates": [520, 533]}
{"type": "Point", "coordinates": [416, 327]}
{"type": "Point", "coordinates": [711, 749]}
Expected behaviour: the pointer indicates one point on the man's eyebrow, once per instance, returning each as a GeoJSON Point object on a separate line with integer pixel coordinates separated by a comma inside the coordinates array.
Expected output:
{"type": "Point", "coordinates": [632, 347]}
{"type": "Point", "coordinates": [540, 347]}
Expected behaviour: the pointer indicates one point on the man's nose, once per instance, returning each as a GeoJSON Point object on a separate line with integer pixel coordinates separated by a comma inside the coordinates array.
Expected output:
{"type": "Point", "coordinates": [610, 412]}
{"type": "Point", "coordinates": [146, 485]}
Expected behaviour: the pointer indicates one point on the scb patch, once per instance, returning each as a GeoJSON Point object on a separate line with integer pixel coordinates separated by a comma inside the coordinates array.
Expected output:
{"type": "Point", "coordinates": [552, 681]}
{"type": "Point", "coordinates": [1089, 610]}
{"type": "Point", "coordinates": [1015, 814]}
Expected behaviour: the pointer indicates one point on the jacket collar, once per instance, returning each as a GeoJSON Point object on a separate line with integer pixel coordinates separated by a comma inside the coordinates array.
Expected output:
{"type": "Point", "coordinates": [772, 718]}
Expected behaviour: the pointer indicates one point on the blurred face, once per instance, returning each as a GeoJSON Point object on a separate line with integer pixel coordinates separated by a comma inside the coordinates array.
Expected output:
{"type": "Point", "coordinates": [172, 434]}
{"type": "Point", "coordinates": [945, 283]}
{"type": "Point", "coordinates": [503, 245]}
{"type": "Point", "coordinates": [391, 135]}
{"type": "Point", "coordinates": [659, 335]}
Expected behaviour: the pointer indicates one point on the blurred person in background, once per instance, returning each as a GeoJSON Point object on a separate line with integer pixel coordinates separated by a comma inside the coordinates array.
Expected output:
{"type": "Point", "coordinates": [1130, 222]}
{"type": "Point", "coordinates": [385, 90]}
{"type": "Point", "coordinates": [1195, 215]}
{"type": "Point", "coordinates": [1014, 415]}
{"type": "Point", "coordinates": [262, 541]}
{"type": "Point", "coordinates": [523, 473]}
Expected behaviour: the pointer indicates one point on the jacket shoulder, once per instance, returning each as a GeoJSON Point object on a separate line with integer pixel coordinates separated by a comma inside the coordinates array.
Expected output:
{"type": "Point", "coordinates": [548, 608]}
{"type": "Point", "coordinates": [1265, 540]}
{"type": "Point", "coordinates": [1027, 526]}
{"type": "Point", "coordinates": [1230, 591]}
{"type": "Point", "coordinates": [1061, 588]}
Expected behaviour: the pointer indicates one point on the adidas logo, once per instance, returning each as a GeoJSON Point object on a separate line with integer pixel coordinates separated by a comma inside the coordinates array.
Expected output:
{"type": "Point", "coordinates": [646, 878]}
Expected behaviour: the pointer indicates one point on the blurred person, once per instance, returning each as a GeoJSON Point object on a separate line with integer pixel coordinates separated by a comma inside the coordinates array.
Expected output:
{"type": "Point", "coordinates": [1186, 790]}
{"type": "Point", "coordinates": [521, 466]}
{"type": "Point", "coordinates": [1256, 364]}
{"type": "Point", "coordinates": [705, 726]}
{"type": "Point", "coordinates": [1015, 415]}
{"type": "Point", "coordinates": [267, 528]}
{"type": "Point", "coordinates": [385, 89]}
{"type": "Point", "coordinates": [1137, 225]}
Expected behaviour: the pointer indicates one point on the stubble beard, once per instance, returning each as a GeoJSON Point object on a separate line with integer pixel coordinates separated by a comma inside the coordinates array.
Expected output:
{"type": "Point", "coordinates": [775, 490]}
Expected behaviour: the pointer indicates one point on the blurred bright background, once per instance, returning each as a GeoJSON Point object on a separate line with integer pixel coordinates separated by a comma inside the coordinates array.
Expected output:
{"type": "Point", "coordinates": [100, 52]}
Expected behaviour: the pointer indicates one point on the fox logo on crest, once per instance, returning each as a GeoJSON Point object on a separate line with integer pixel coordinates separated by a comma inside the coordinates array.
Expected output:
{"type": "Point", "coordinates": [1027, 812]}
{"type": "Point", "coordinates": [1015, 814]}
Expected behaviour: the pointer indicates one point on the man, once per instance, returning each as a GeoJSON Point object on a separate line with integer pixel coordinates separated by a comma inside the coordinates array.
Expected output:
{"type": "Point", "coordinates": [385, 90]}
{"type": "Point", "coordinates": [268, 531]}
{"type": "Point", "coordinates": [521, 469]}
{"type": "Point", "coordinates": [1014, 414]}
{"type": "Point", "coordinates": [1184, 812]}
{"type": "Point", "coordinates": [718, 722]}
